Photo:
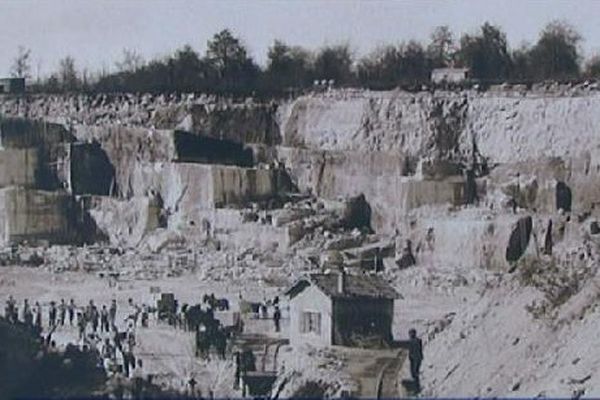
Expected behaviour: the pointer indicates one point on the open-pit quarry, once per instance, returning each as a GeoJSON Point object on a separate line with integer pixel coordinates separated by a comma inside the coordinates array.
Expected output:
{"type": "Point", "coordinates": [492, 194]}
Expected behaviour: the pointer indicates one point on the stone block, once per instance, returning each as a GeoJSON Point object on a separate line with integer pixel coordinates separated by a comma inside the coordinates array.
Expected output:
{"type": "Point", "coordinates": [36, 215]}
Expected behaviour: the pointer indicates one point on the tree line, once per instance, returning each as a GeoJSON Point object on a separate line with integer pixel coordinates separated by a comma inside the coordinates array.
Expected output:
{"type": "Point", "coordinates": [227, 67]}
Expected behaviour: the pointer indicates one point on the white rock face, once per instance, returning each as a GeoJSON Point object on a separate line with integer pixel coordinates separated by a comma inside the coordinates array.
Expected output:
{"type": "Point", "coordinates": [506, 128]}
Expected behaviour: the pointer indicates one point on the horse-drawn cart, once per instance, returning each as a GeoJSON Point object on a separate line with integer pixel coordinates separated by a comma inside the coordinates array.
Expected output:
{"type": "Point", "coordinates": [167, 308]}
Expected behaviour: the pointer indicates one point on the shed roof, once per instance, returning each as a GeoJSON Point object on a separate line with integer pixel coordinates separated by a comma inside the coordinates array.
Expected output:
{"type": "Point", "coordinates": [355, 286]}
{"type": "Point", "coordinates": [449, 69]}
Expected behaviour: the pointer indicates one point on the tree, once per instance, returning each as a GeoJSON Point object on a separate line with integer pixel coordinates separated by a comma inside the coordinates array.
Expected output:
{"type": "Point", "coordinates": [52, 84]}
{"type": "Point", "coordinates": [486, 54]}
{"type": "Point", "coordinates": [334, 62]}
{"type": "Point", "coordinates": [188, 70]}
{"type": "Point", "coordinates": [382, 69]}
{"type": "Point", "coordinates": [131, 62]}
{"type": "Point", "coordinates": [68, 74]}
{"type": "Point", "coordinates": [226, 53]}
{"type": "Point", "coordinates": [390, 66]}
{"type": "Point", "coordinates": [592, 67]}
{"type": "Point", "coordinates": [441, 47]}
{"type": "Point", "coordinates": [235, 70]}
{"type": "Point", "coordinates": [521, 69]}
{"type": "Point", "coordinates": [21, 66]}
{"type": "Point", "coordinates": [415, 66]}
{"type": "Point", "coordinates": [287, 66]}
{"type": "Point", "coordinates": [555, 55]}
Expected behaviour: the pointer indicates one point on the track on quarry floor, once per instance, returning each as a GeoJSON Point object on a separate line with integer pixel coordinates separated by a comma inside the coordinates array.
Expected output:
{"type": "Point", "coordinates": [376, 372]}
{"type": "Point", "coordinates": [264, 347]}
{"type": "Point", "coordinates": [388, 386]}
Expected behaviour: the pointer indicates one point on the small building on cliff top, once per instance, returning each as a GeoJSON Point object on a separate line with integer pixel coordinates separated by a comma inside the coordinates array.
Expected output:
{"type": "Point", "coordinates": [12, 85]}
{"type": "Point", "coordinates": [449, 75]}
{"type": "Point", "coordinates": [341, 309]}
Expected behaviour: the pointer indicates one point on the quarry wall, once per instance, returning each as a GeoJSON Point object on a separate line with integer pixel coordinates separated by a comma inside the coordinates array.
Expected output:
{"type": "Point", "coordinates": [340, 143]}
{"type": "Point", "coordinates": [516, 132]}
{"type": "Point", "coordinates": [187, 190]}
{"type": "Point", "coordinates": [205, 115]}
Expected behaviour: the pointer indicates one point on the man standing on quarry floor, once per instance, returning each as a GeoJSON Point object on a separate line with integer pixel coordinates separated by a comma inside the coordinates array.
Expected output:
{"type": "Point", "coordinates": [415, 355]}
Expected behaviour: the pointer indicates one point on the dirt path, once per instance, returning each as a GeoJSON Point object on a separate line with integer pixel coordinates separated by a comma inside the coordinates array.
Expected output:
{"type": "Point", "coordinates": [388, 381]}
{"type": "Point", "coordinates": [369, 367]}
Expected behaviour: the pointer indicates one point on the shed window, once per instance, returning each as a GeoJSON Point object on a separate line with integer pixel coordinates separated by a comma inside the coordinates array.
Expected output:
{"type": "Point", "coordinates": [310, 322]}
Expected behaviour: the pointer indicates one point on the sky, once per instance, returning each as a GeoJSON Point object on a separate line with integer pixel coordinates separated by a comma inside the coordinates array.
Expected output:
{"type": "Point", "coordinates": [95, 32]}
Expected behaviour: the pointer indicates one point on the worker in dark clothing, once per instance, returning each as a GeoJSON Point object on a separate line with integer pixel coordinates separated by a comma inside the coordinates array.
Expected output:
{"type": "Point", "coordinates": [192, 383]}
{"type": "Point", "coordinates": [11, 306]}
{"type": "Point", "coordinates": [221, 343]}
{"type": "Point", "coordinates": [38, 315]}
{"type": "Point", "coordinates": [71, 309]}
{"type": "Point", "coordinates": [62, 312]}
{"type": "Point", "coordinates": [104, 327]}
{"type": "Point", "coordinates": [415, 355]}
{"type": "Point", "coordinates": [112, 313]}
{"type": "Point", "coordinates": [277, 318]}
{"type": "Point", "coordinates": [81, 323]}
{"type": "Point", "coordinates": [93, 315]}
{"type": "Point", "coordinates": [52, 314]}
{"type": "Point", "coordinates": [407, 259]}
{"type": "Point", "coordinates": [27, 314]}
{"type": "Point", "coordinates": [145, 316]}
{"type": "Point", "coordinates": [548, 239]}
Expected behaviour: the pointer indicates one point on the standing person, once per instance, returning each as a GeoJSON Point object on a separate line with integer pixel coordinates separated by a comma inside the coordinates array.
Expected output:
{"type": "Point", "coordinates": [62, 311]}
{"type": "Point", "coordinates": [26, 310]}
{"type": "Point", "coordinates": [263, 309]}
{"type": "Point", "coordinates": [134, 311]}
{"type": "Point", "coordinates": [108, 354]}
{"type": "Point", "coordinates": [415, 355]}
{"type": "Point", "coordinates": [108, 350]}
{"type": "Point", "coordinates": [104, 319]}
{"type": "Point", "coordinates": [27, 314]}
{"type": "Point", "coordinates": [112, 312]}
{"type": "Point", "coordinates": [277, 318]}
{"type": "Point", "coordinates": [38, 315]}
{"type": "Point", "coordinates": [81, 322]}
{"type": "Point", "coordinates": [71, 309]}
{"type": "Point", "coordinates": [128, 357]}
{"type": "Point", "coordinates": [221, 343]}
{"type": "Point", "coordinates": [93, 315]}
{"type": "Point", "coordinates": [144, 316]}
{"type": "Point", "coordinates": [192, 383]}
{"type": "Point", "coordinates": [10, 309]}
{"type": "Point", "coordinates": [52, 314]}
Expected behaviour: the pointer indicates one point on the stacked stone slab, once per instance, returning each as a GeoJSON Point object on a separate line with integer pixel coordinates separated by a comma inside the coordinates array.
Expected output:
{"type": "Point", "coordinates": [31, 216]}
{"type": "Point", "coordinates": [32, 206]}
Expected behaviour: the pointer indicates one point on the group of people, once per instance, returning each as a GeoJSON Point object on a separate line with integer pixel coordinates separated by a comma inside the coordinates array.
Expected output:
{"type": "Point", "coordinates": [31, 315]}
{"type": "Point", "coordinates": [100, 330]}
{"type": "Point", "coordinates": [261, 310]}
{"type": "Point", "coordinates": [60, 314]}
{"type": "Point", "coordinates": [100, 333]}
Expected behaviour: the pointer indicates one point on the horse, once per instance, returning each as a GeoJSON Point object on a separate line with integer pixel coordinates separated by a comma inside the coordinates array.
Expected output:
{"type": "Point", "coordinates": [194, 316]}
{"type": "Point", "coordinates": [221, 304]}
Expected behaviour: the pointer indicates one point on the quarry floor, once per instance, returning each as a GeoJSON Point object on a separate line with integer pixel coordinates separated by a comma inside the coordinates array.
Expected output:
{"type": "Point", "coordinates": [474, 329]}
{"type": "Point", "coordinates": [168, 353]}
